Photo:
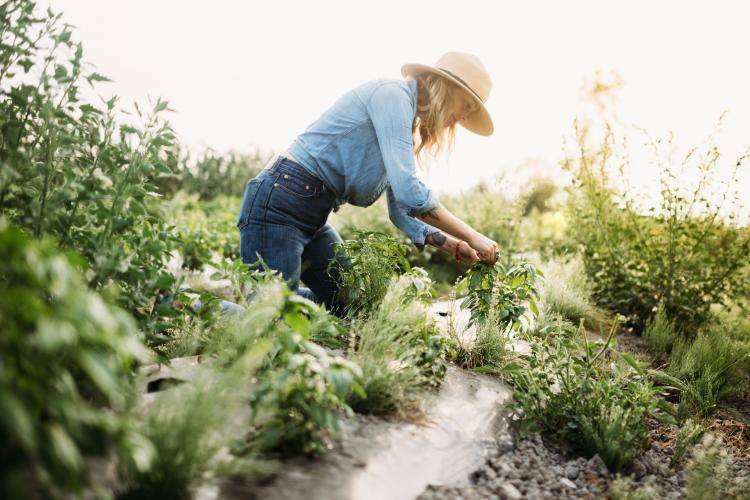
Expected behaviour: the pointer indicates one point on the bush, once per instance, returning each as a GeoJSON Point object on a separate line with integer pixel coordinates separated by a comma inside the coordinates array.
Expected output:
{"type": "Point", "coordinates": [213, 175]}
{"type": "Point", "coordinates": [687, 253]}
{"type": "Point", "coordinates": [66, 357]}
{"type": "Point", "coordinates": [301, 390]}
{"type": "Point", "coordinates": [599, 406]}
{"type": "Point", "coordinates": [567, 292]}
{"type": "Point", "coordinates": [70, 169]}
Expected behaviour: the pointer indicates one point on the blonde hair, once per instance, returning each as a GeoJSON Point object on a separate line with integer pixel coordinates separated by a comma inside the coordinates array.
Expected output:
{"type": "Point", "coordinates": [429, 130]}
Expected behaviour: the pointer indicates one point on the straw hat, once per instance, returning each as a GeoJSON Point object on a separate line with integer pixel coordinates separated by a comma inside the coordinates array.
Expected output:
{"type": "Point", "coordinates": [468, 72]}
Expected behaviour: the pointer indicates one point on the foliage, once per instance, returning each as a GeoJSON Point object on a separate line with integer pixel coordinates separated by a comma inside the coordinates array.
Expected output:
{"type": "Point", "coordinates": [575, 390]}
{"type": "Point", "coordinates": [65, 360]}
{"type": "Point", "coordinates": [192, 427]}
{"type": "Point", "coordinates": [213, 175]}
{"type": "Point", "coordinates": [301, 389]}
{"type": "Point", "coordinates": [688, 435]}
{"type": "Point", "coordinates": [711, 367]}
{"type": "Point", "coordinates": [660, 334]}
{"type": "Point", "coordinates": [206, 229]}
{"type": "Point", "coordinates": [373, 259]}
{"type": "Point", "coordinates": [506, 290]}
{"type": "Point", "coordinates": [400, 352]}
{"type": "Point", "coordinates": [487, 352]}
{"type": "Point", "coordinates": [567, 292]}
{"type": "Point", "coordinates": [687, 253]}
{"type": "Point", "coordinates": [71, 170]}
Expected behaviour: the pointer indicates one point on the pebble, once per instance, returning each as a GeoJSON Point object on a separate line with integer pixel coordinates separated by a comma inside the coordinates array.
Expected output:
{"type": "Point", "coordinates": [567, 482]}
{"type": "Point", "coordinates": [510, 492]}
{"type": "Point", "coordinates": [571, 471]}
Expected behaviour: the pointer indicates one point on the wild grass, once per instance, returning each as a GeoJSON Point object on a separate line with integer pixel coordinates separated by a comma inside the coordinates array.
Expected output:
{"type": "Point", "coordinates": [567, 292]}
{"type": "Point", "coordinates": [390, 348]}
{"type": "Point", "coordinates": [660, 334]}
{"type": "Point", "coordinates": [710, 474]}
{"type": "Point", "coordinates": [712, 368]}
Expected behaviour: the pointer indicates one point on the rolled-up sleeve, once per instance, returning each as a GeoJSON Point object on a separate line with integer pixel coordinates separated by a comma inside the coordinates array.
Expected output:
{"type": "Point", "coordinates": [390, 109]}
{"type": "Point", "coordinates": [415, 229]}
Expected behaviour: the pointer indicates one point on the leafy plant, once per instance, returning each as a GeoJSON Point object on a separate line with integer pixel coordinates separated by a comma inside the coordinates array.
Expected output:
{"type": "Point", "coordinates": [71, 170]}
{"type": "Point", "coordinates": [686, 253]}
{"type": "Point", "coordinates": [373, 260]}
{"type": "Point", "coordinates": [509, 291]}
{"type": "Point", "coordinates": [66, 358]}
{"type": "Point", "coordinates": [660, 334]}
{"type": "Point", "coordinates": [574, 390]}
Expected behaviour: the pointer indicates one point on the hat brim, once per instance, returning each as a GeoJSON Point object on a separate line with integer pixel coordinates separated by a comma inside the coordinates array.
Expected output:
{"type": "Point", "coordinates": [480, 121]}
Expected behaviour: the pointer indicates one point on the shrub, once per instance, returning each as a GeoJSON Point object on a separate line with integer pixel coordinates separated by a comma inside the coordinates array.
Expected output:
{"type": "Point", "coordinates": [709, 473]}
{"type": "Point", "coordinates": [65, 362]}
{"type": "Point", "coordinates": [567, 292]}
{"type": "Point", "coordinates": [687, 253]}
{"type": "Point", "coordinates": [599, 406]}
{"type": "Point", "coordinates": [70, 169]}
{"type": "Point", "coordinates": [213, 175]}
{"type": "Point", "coordinates": [301, 389]}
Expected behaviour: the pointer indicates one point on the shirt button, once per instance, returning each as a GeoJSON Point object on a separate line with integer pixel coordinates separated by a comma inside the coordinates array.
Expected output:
{"type": "Point", "coordinates": [307, 187]}
{"type": "Point", "coordinates": [275, 184]}
{"type": "Point", "coordinates": [286, 176]}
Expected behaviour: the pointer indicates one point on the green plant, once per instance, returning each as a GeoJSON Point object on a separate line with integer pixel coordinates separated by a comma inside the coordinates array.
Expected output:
{"type": "Point", "coordinates": [688, 435]}
{"type": "Point", "coordinates": [567, 292]}
{"type": "Point", "coordinates": [660, 334]}
{"type": "Point", "coordinates": [624, 489]}
{"type": "Point", "coordinates": [399, 350]}
{"type": "Point", "coordinates": [709, 475]}
{"type": "Point", "coordinates": [711, 368]}
{"type": "Point", "coordinates": [373, 260]}
{"type": "Point", "coordinates": [66, 358]}
{"type": "Point", "coordinates": [576, 391]}
{"type": "Point", "coordinates": [509, 291]}
{"type": "Point", "coordinates": [301, 389]}
{"type": "Point", "coordinates": [687, 252]}
{"type": "Point", "coordinates": [72, 170]}
{"type": "Point", "coordinates": [487, 351]}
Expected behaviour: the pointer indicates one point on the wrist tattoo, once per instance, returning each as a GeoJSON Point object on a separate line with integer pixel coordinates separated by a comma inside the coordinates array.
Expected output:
{"type": "Point", "coordinates": [438, 239]}
{"type": "Point", "coordinates": [432, 214]}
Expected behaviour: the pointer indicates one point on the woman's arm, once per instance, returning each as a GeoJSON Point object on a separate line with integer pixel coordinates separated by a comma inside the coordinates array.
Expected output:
{"type": "Point", "coordinates": [441, 218]}
{"type": "Point", "coordinates": [459, 248]}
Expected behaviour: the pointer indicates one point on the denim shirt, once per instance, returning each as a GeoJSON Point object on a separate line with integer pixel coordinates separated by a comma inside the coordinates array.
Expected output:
{"type": "Point", "coordinates": [362, 145]}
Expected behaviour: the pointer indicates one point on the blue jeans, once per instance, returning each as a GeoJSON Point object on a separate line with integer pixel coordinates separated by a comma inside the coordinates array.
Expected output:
{"type": "Point", "coordinates": [283, 220]}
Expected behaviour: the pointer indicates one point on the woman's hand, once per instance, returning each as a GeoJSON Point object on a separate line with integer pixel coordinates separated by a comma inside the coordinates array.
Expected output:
{"type": "Point", "coordinates": [464, 253]}
{"type": "Point", "coordinates": [486, 249]}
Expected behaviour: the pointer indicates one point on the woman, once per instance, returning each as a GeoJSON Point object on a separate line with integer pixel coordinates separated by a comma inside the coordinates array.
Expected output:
{"type": "Point", "coordinates": [361, 146]}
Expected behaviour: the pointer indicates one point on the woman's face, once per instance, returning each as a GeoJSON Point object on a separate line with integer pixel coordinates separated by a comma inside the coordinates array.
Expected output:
{"type": "Point", "coordinates": [461, 106]}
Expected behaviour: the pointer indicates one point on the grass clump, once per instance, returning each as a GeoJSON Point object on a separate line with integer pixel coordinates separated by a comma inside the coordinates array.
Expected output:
{"type": "Point", "coordinates": [710, 473]}
{"type": "Point", "coordinates": [399, 350]}
{"type": "Point", "coordinates": [711, 368]}
{"type": "Point", "coordinates": [660, 334]}
{"type": "Point", "coordinates": [372, 261]}
{"type": "Point", "coordinates": [567, 292]}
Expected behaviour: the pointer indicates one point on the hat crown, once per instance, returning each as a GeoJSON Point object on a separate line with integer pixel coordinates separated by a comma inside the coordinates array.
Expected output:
{"type": "Point", "coordinates": [469, 69]}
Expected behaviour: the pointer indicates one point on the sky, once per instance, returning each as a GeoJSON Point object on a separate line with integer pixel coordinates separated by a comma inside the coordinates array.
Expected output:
{"type": "Point", "coordinates": [247, 74]}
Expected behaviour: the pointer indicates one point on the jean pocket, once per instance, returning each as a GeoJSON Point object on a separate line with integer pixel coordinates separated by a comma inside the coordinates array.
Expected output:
{"type": "Point", "coordinates": [300, 185]}
{"type": "Point", "coordinates": [306, 212]}
{"type": "Point", "coordinates": [249, 201]}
